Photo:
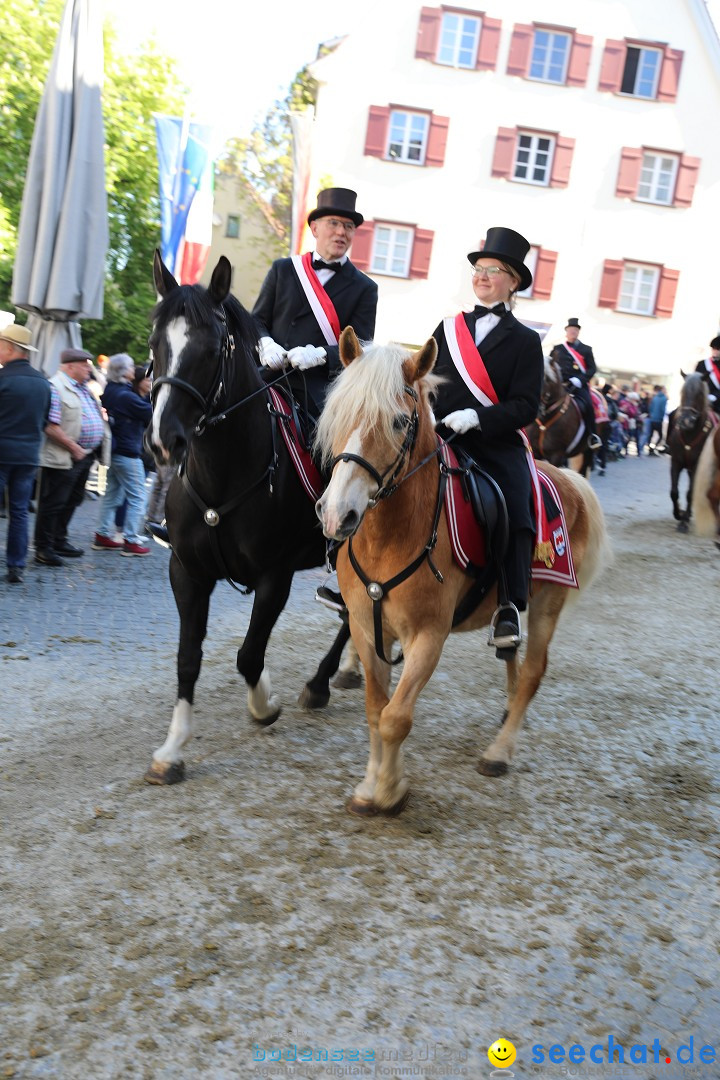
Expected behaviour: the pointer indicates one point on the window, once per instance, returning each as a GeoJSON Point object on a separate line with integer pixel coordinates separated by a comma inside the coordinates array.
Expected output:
{"type": "Point", "coordinates": [531, 262]}
{"type": "Point", "coordinates": [458, 38]}
{"type": "Point", "coordinates": [641, 72]}
{"type": "Point", "coordinates": [232, 229]}
{"type": "Point", "coordinates": [533, 158]}
{"type": "Point", "coordinates": [637, 288]}
{"type": "Point", "coordinates": [655, 176]}
{"type": "Point", "coordinates": [394, 249]}
{"type": "Point", "coordinates": [403, 135]}
{"type": "Point", "coordinates": [541, 264]}
{"type": "Point", "coordinates": [408, 137]}
{"type": "Point", "coordinates": [550, 54]}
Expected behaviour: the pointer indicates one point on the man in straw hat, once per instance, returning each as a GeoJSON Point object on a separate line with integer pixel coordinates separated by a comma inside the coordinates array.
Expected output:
{"type": "Point", "coordinates": [307, 300]}
{"type": "Point", "coordinates": [24, 408]}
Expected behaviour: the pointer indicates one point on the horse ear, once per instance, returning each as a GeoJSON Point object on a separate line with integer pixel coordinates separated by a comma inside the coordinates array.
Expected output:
{"type": "Point", "coordinates": [220, 280]}
{"type": "Point", "coordinates": [350, 347]}
{"type": "Point", "coordinates": [424, 359]}
{"type": "Point", "coordinates": [164, 281]}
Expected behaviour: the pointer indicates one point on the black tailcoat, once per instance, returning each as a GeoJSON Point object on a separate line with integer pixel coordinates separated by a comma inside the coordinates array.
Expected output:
{"type": "Point", "coordinates": [569, 367]}
{"type": "Point", "coordinates": [513, 356]}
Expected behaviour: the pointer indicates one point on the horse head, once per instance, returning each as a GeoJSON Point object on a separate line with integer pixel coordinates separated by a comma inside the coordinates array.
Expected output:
{"type": "Point", "coordinates": [553, 389]}
{"type": "Point", "coordinates": [693, 406]}
{"type": "Point", "coordinates": [191, 346]}
{"type": "Point", "coordinates": [376, 421]}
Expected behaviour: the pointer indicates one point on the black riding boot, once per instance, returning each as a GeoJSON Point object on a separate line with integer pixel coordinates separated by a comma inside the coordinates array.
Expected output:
{"type": "Point", "coordinates": [505, 632]}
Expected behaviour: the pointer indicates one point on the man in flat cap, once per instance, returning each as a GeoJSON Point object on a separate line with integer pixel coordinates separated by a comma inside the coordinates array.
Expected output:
{"type": "Point", "coordinates": [24, 408]}
{"type": "Point", "coordinates": [307, 300]}
{"type": "Point", "coordinates": [577, 365]}
{"type": "Point", "coordinates": [73, 438]}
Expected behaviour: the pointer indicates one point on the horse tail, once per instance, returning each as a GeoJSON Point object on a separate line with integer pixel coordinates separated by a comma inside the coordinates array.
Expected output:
{"type": "Point", "coordinates": [598, 550]}
{"type": "Point", "coordinates": [707, 466]}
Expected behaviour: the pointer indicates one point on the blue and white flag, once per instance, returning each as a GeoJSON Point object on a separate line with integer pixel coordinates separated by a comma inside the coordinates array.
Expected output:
{"type": "Point", "coordinates": [184, 150]}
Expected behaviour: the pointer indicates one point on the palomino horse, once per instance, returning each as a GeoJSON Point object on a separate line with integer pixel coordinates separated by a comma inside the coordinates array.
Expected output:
{"type": "Point", "coordinates": [377, 433]}
{"type": "Point", "coordinates": [706, 489]}
{"type": "Point", "coordinates": [693, 421]}
{"type": "Point", "coordinates": [236, 509]}
{"type": "Point", "coordinates": [558, 434]}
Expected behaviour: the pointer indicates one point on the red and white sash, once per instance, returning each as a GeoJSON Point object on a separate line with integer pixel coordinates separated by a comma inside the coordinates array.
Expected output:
{"type": "Point", "coordinates": [712, 366]}
{"type": "Point", "coordinates": [576, 357]}
{"type": "Point", "coordinates": [471, 368]}
{"type": "Point", "coordinates": [319, 301]}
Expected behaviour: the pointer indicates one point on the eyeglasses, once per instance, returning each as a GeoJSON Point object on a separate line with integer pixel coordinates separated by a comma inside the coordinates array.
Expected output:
{"type": "Point", "coordinates": [488, 271]}
{"type": "Point", "coordinates": [334, 224]}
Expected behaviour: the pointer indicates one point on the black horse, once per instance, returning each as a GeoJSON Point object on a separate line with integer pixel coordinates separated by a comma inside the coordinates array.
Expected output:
{"type": "Point", "coordinates": [691, 425]}
{"type": "Point", "coordinates": [236, 509]}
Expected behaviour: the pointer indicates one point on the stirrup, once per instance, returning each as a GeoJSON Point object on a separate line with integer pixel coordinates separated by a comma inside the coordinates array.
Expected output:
{"type": "Point", "coordinates": [511, 641]}
{"type": "Point", "coordinates": [330, 598]}
{"type": "Point", "coordinates": [594, 442]}
{"type": "Point", "coordinates": [159, 533]}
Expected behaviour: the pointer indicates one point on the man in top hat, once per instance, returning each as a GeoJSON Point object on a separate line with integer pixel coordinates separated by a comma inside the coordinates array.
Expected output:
{"type": "Point", "coordinates": [73, 438]}
{"type": "Point", "coordinates": [577, 365]}
{"type": "Point", "coordinates": [306, 301]}
{"type": "Point", "coordinates": [710, 371]}
{"type": "Point", "coordinates": [24, 408]}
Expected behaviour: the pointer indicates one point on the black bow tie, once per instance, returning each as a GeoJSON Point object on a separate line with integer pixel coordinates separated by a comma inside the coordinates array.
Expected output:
{"type": "Point", "coordinates": [499, 309]}
{"type": "Point", "coordinates": [320, 264]}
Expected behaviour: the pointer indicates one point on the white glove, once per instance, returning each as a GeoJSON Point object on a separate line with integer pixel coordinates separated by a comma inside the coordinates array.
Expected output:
{"type": "Point", "coordinates": [461, 420]}
{"type": "Point", "coordinates": [303, 357]}
{"type": "Point", "coordinates": [574, 381]}
{"type": "Point", "coordinates": [271, 354]}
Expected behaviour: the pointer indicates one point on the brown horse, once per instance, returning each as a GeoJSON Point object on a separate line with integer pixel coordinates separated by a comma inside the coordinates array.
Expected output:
{"type": "Point", "coordinates": [559, 435]}
{"type": "Point", "coordinates": [692, 422]}
{"type": "Point", "coordinates": [376, 432]}
{"type": "Point", "coordinates": [706, 489]}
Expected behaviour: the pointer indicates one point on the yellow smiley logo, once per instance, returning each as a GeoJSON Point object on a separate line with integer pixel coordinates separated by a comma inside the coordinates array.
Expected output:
{"type": "Point", "coordinates": [501, 1054]}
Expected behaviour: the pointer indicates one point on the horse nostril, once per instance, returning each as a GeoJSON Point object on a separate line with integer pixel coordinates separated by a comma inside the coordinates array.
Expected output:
{"type": "Point", "coordinates": [350, 522]}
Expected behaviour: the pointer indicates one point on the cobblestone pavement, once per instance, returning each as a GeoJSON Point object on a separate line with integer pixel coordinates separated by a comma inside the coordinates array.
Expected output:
{"type": "Point", "coordinates": [198, 931]}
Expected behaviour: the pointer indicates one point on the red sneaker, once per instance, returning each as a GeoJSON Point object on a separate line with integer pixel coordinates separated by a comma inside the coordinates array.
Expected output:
{"type": "Point", "coordinates": [105, 543]}
{"type": "Point", "coordinates": [134, 549]}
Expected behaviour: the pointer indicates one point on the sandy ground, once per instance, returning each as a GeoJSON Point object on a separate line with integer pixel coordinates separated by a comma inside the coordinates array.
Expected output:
{"type": "Point", "coordinates": [206, 929]}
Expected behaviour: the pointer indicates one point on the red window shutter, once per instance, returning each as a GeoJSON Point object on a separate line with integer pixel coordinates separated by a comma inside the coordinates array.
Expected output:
{"type": "Point", "coordinates": [422, 249]}
{"type": "Point", "coordinates": [610, 283]}
{"type": "Point", "coordinates": [489, 43]}
{"type": "Point", "coordinates": [362, 245]}
{"type": "Point", "coordinates": [504, 155]}
{"type": "Point", "coordinates": [579, 60]}
{"type": "Point", "coordinates": [377, 130]}
{"type": "Point", "coordinates": [562, 160]}
{"type": "Point", "coordinates": [520, 45]}
{"type": "Point", "coordinates": [670, 74]}
{"type": "Point", "coordinates": [437, 140]}
{"type": "Point", "coordinates": [667, 287]}
{"type": "Point", "coordinates": [428, 33]}
{"type": "Point", "coordinates": [688, 170]}
{"type": "Point", "coordinates": [629, 172]}
{"type": "Point", "coordinates": [544, 274]}
{"type": "Point", "coordinates": [613, 63]}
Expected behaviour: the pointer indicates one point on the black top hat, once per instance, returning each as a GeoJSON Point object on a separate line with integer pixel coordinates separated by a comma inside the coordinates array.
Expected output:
{"type": "Point", "coordinates": [339, 201]}
{"type": "Point", "coordinates": [573, 322]}
{"type": "Point", "coordinates": [509, 247]}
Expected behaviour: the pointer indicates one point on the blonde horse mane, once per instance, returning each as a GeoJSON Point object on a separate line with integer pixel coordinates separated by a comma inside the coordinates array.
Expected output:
{"type": "Point", "coordinates": [368, 394]}
{"type": "Point", "coordinates": [702, 512]}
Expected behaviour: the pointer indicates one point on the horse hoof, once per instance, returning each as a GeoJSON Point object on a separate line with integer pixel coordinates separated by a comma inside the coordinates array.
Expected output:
{"type": "Point", "coordinates": [347, 680]}
{"type": "Point", "coordinates": [164, 775]}
{"type": "Point", "coordinates": [682, 526]}
{"type": "Point", "coordinates": [491, 768]}
{"type": "Point", "coordinates": [362, 808]}
{"type": "Point", "coordinates": [266, 721]}
{"type": "Point", "coordinates": [310, 699]}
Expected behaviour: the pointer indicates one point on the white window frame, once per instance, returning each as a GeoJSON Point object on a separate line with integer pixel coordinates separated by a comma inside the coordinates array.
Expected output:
{"type": "Point", "coordinates": [235, 220]}
{"type": "Point", "coordinates": [455, 47]}
{"type": "Point", "coordinates": [531, 261]}
{"type": "Point", "coordinates": [553, 36]}
{"type": "Point", "coordinates": [392, 263]}
{"type": "Point", "coordinates": [634, 298]}
{"type": "Point", "coordinates": [405, 144]}
{"type": "Point", "coordinates": [644, 52]}
{"type": "Point", "coordinates": [534, 151]}
{"type": "Point", "coordinates": [651, 175]}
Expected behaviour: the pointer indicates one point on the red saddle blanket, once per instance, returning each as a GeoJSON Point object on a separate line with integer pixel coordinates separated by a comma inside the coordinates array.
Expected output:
{"type": "Point", "coordinates": [305, 467]}
{"type": "Point", "coordinates": [468, 542]}
{"type": "Point", "coordinates": [599, 407]}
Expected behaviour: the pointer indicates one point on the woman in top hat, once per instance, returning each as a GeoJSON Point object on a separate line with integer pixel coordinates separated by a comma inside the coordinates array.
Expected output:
{"type": "Point", "coordinates": [492, 368]}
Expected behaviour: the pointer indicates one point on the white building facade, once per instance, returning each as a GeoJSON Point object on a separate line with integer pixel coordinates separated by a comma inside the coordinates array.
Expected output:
{"type": "Point", "coordinates": [585, 125]}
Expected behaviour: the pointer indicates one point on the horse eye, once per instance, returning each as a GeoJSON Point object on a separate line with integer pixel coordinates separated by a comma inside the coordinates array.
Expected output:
{"type": "Point", "coordinates": [400, 422]}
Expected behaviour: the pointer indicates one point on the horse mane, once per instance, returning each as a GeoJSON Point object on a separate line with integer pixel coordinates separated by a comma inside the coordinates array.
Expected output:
{"type": "Point", "coordinates": [368, 394]}
{"type": "Point", "coordinates": [194, 304]}
{"type": "Point", "coordinates": [694, 393]}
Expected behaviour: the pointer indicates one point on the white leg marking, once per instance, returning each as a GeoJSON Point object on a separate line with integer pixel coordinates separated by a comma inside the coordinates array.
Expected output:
{"type": "Point", "coordinates": [179, 732]}
{"type": "Point", "coordinates": [261, 700]}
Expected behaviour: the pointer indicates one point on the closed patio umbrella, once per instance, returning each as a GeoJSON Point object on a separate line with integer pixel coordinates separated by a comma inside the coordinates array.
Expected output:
{"type": "Point", "coordinates": [63, 234]}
